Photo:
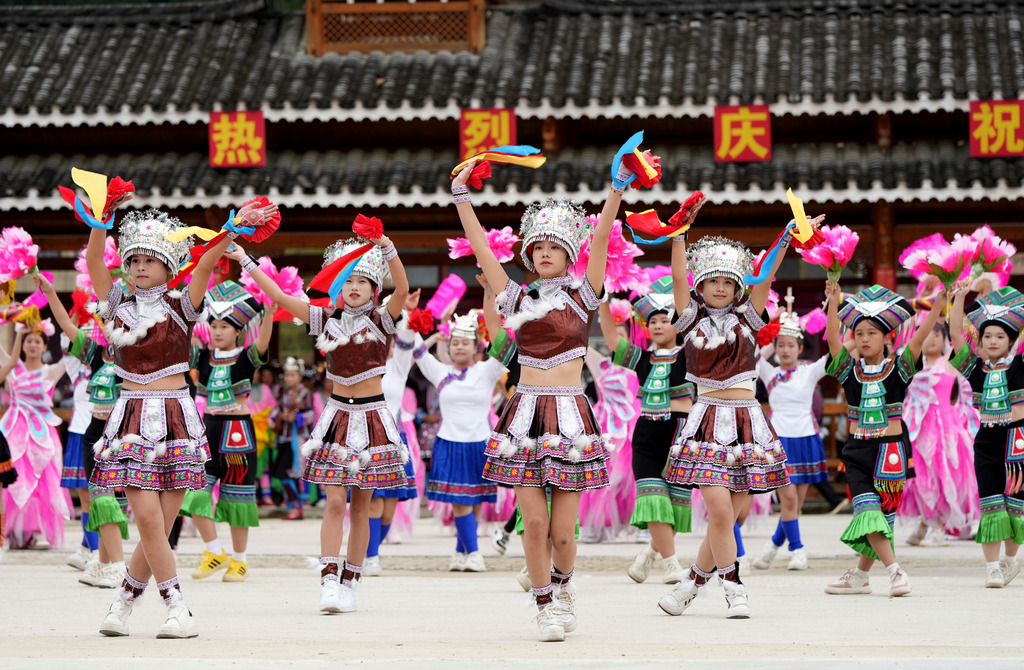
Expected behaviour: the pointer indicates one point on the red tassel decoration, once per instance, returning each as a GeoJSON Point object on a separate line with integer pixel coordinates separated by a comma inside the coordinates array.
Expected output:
{"type": "Point", "coordinates": [688, 210]}
{"type": "Point", "coordinates": [269, 226]}
{"type": "Point", "coordinates": [480, 172]}
{"type": "Point", "coordinates": [369, 227]}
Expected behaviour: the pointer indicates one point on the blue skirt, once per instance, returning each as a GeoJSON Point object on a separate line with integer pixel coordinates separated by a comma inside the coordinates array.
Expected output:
{"type": "Point", "coordinates": [457, 474]}
{"type": "Point", "coordinates": [73, 474]}
{"type": "Point", "coordinates": [406, 492]}
{"type": "Point", "coordinates": [805, 459]}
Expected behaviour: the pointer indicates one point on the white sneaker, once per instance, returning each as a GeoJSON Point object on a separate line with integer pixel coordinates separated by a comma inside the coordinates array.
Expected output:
{"type": "Point", "coordinates": [80, 559]}
{"type": "Point", "coordinates": [915, 537]}
{"type": "Point", "coordinates": [111, 576]}
{"type": "Point", "coordinates": [330, 594]}
{"type": "Point", "coordinates": [524, 579]}
{"type": "Point", "coordinates": [115, 624]}
{"type": "Point", "coordinates": [179, 624]}
{"type": "Point", "coordinates": [1010, 570]}
{"type": "Point", "coordinates": [767, 555]}
{"type": "Point", "coordinates": [92, 575]}
{"type": "Point", "coordinates": [347, 598]}
{"type": "Point", "coordinates": [736, 598]}
{"type": "Point", "coordinates": [899, 583]}
{"type": "Point", "coordinates": [474, 562]}
{"type": "Point", "coordinates": [371, 566]}
{"type": "Point", "coordinates": [995, 579]}
{"type": "Point", "coordinates": [848, 584]}
{"type": "Point", "coordinates": [743, 564]}
{"type": "Point", "coordinates": [641, 567]}
{"type": "Point", "coordinates": [936, 537]}
{"type": "Point", "coordinates": [499, 540]}
{"type": "Point", "coordinates": [549, 623]}
{"type": "Point", "coordinates": [458, 563]}
{"type": "Point", "coordinates": [565, 598]}
{"type": "Point", "coordinates": [673, 571]}
{"type": "Point", "coordinates": [797, 560]}
{"type": "Point", "coordinates": [676, 601]}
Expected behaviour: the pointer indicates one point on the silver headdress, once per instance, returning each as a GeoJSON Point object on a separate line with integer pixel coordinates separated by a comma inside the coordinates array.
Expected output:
{"type": "Point", "coordinates": [465, 326]}
{"type": "Point", "coordinates": [562, 222]}
{"type": "Point", "coordinates": [372, 265]}
{"type": "Point", "coordinates": [789, 322]}
{"type": "Point", "coordinates": [146, 233]}
{"type": "Point", "coordinates": [719, 257]}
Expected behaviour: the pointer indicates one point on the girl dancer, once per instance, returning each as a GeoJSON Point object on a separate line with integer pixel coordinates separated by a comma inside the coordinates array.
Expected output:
{"type": "Point", "coordinates": [665, 401]}
{"type": "Point", "coordinates": [106, 517]}
{"type": "Point", "coordinates": [35, 502]}
{"type": "Point", "coordinates": [547, 439]}
{"type": "Point", "coordinates": [790, 394]}
{"type": "Point", "coordinates": [385, 501]}
{"type": "Point", "coordinates": [727, 448]}
{"type": "Point", "coordinates": [225, 378]}
{"type": "Point", "coordinates": [355, 444]}
{"type": "Point", "coordinates": [8, 475]}
{"type": "Point", "coordinates": [292, 420]}
{"type": "Point", "coordinates": [457, 467]}
{"type": "Point", "coordinates": [877, 456]}
{"type": "Point", "coordinates": [73, 475]}
{"type": "Point", "coordinates": [153, 444]}
{"type": "Point", "coordinates": [941, 422]}
{"type": "Point", "coordinates": [997, 378]}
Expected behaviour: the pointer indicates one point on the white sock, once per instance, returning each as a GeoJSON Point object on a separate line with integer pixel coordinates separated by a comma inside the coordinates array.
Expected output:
{"type": "Point", "coordinates": [1010, 560]}
{"type": "Point", "coordinates": [239, 556]}
{"type": "Point", "coordinates": [214, 546]}
{"type": "Point", "coordinates": [992, 565]}
{"type": "Point", "coordinates": [892, 568]}
{"type": "Point", "coordinates": [118, 564]}
{"type": "Point", "coordinates": [860, 573]}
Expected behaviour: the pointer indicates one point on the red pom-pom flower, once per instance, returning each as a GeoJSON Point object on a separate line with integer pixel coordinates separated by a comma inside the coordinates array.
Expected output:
{"type": "Point", "coordinates": [421, 321]}
{"type": "Point", "coordinates": [80, 312]}
{"type": "Point", "coordinates": [119, 192]}
{"type": "Point", "coordinates": [480, 172]}
{"type": "Point", "coordinates": [768, 333]}
{"type": "Point", "coordinates": [368, 227]}
{"type": "Point", "coordinates": [688, 210]}
{"type": "Point", "coordinates": [640, 168]}
{"type": "Point", "coordinates": [270, 222]}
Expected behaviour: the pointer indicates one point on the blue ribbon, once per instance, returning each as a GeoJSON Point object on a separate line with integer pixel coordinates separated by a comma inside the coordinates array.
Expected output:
{"type": "Point", "coordinates": [768, 262]}
{"type": "Point", "coordinates": [89, 219]}
{"type": "Point", "coordinates": [627, 148]}
{"type": "Point", "coordinates": [240, 230]}
{"type": "Point", "coordinates": [339, 282]}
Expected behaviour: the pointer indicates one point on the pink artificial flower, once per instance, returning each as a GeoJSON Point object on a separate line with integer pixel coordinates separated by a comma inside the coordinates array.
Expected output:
{"type": "Point", "coordinates": [17, 254]}
{"type": "Point", "coordinates": [500, 240]}
{"type": "Point", "coordinates": [917, 266]}
{"type": "Point", "coordinates": [459, 247]}
{"type": "Point", "coordinates": [621, 310]}
{"type": "Point", "coordinates": [814, 321]}
{"type": "Point", "coordinates": [287, 278]}
{"type": "Point", "coordinates": [621, 273]}
{"type": "Point", "coordinates": [773, 303]}
{"type": "Point", "coordinates": [992, 253]}
{"type": "Point", "coordinates": [834, 252]}
{"type": "Point", "coordinates": [947, 262]}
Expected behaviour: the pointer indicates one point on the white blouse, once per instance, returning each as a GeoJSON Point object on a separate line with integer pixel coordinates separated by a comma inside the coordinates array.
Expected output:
{"type": "Point", "coordinates": [791, 400]}
{"type": "Point", "coordinates": [464, 395]}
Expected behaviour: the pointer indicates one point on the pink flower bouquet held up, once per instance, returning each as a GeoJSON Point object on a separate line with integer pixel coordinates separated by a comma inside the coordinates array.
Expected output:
{"type": "Point", "coordinates": [937, 257]}
{"type": "Point", "coordinates": [17, 254]}
{"type": "Point", "coordinates": [834, 252]}
{"type": "Point", "coordinates": [500, 240]}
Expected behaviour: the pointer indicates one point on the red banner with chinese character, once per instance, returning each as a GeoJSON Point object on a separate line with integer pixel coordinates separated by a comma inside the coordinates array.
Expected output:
{"type": "Point", "coordinates": [237, 139]}
{"type": "Point", "coordinates": [996, 128]}
{"type": "Point", "coordinates": [483, 129]}
{"type": "Point", "coordinates": [743, 133]}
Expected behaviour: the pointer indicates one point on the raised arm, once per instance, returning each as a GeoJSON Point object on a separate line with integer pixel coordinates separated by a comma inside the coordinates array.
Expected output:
{"type": "Point", "coordinates": [956, 315]}
{"type": "Point", "coordinates": [56, 306]}
{"type": "Point", "coordinates": [197, 286]}
{"type": "Point", "coordinates": [15, 356]}
{"type": "Point", "coordinates": [99, 275]}
{"type": "Point", "coordinates": [680, 284]}
{"type": "Point", "coordinates": [266, 330]}
{"type": "Point", "coordinates": [492, 320]}
{"type": "Point", "coordinates": [297, 307]}
{"type": "Point", "coordinates": [489, 263]}
{"type": "Point", "coordinates": [398, 276]}
{"type": "Point", "coordinates": [832, 328]}
{"type": "Point", "coordinates": [608, 329]}
{"type": "Point", "coordinates": [917, 341]}
{"type": "Point", "coordinates": [597, 264]}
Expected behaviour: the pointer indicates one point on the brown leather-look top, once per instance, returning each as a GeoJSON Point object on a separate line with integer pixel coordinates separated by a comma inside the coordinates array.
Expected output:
{"type": "Point", "coordinates": [560, 335]}
{"type": "Point", "coordinates": [720, 343]}
{"type": "Point", "coordinates": [355, 340]}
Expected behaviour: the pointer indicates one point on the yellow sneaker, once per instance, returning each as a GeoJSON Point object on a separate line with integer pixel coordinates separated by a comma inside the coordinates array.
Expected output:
{"type": "Point", "coordinates": [210, 564]}
{"type": "Point", "coordinates": [238, 571]}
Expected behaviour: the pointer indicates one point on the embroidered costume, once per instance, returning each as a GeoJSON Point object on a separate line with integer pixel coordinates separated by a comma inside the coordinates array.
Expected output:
{"type": "Point", "coordinates": [790, 394]}
{"type": "Point", "coordinates": [548, 436]}
{"type": "Point", "coordinates": [291, 434]}
{"type": "Point", "coordinates": [999, 444]}
{"type": "Point", "coordinates": [877, 466]}
{"type": "Point", "coordinates": [154, 439]}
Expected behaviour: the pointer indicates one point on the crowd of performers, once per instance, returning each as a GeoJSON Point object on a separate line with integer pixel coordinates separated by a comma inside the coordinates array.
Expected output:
{"type": "Point", "coordinates": [677, 415]}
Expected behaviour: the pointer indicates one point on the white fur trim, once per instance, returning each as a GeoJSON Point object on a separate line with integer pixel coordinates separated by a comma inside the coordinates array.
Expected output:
{"type": "Point", "coordinates": [174, 295]}
{"type": "Point", "coordinates": [528, 442]}
{"type": "Point", "coordinates": [730, 459]}
{"type": "Point", "coordinates": [574, 455]}
{"type": "Point", "coordinates": [309, 446]}
{"type": "Point", "coordinates": [364, 458]}
{"type": "Point", "coordinates": [97, 448]}
{"type": "Point", "coordinates": [676, 449]}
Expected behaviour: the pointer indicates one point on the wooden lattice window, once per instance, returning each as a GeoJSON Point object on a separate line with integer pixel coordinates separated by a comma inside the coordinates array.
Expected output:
{"type": "Point", "coordinates": [394, 25]}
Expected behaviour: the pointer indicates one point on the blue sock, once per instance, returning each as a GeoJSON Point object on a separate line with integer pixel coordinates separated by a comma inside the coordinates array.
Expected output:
{"type": "Point", "coordinates": [792, 529]}
{"type": "Point", "coordinates": [740, 551]}
{"type": "Point", "coordinates": [384, 529]}
{"type": "Point", "coordinates": [90, 538]}
{"type": "Point", "coordinates": [373, 546]}
{"type": "Point", "coordinates": [466, 526]}
{"type": "Point", "coordinates": [780, 533]}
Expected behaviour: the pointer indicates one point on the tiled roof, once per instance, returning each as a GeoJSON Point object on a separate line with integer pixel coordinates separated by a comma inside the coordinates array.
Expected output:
{"type": "Point", "coordinates": [941, 171]}
{"type": "Point", "coordinates": [73, 67]}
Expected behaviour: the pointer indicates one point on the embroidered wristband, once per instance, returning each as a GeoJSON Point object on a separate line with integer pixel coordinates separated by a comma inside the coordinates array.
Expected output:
{"type": "Point", "coordinates": [389, 252]}
{"type": "Point", "coordinates": [249, 264]}
{"type": "Point", "coordinates": [460, 194]}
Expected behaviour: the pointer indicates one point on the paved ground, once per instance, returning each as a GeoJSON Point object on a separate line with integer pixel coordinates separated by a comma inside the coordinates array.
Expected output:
{"type": "Point", "coordinates": [418, 615]}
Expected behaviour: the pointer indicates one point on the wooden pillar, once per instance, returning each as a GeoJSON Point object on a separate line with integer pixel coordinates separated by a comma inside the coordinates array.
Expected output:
{"type": "Point", "coordinates": [883, 263]}
{"type": "Point", "coordinates": [883, 130]}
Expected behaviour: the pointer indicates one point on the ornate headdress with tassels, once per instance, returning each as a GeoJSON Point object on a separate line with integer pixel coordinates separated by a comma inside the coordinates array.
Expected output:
{"type": "Point", "coordinates": [372, 265]}
{"type": "Point", "coordinates": [719, 257]}
{"type": "Point", "coordinates": [230, 302]}
{"type": "Point", "coordinates": [1003, 307]}
{"type": "Point", "coordinates": [562, 222]}
{"type": "Point", "coordinates": [146, 233]}
{"type": "Point", "coordinates": [890, 311]}
{"type": "Point", "coordinates": [465, 326]}
{"type": "Point", "coordinates": [292, 364]}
